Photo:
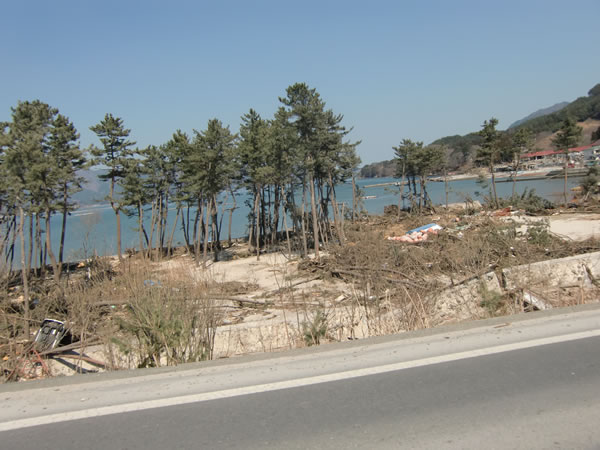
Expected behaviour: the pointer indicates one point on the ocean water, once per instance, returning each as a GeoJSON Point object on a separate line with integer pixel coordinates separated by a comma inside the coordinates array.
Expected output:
{"type": "Point", "coordinates": [93, 230]}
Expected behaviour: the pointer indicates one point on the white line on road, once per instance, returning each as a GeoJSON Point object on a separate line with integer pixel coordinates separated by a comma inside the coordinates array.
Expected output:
{"type": "Point", "coordinates": [235, 392]}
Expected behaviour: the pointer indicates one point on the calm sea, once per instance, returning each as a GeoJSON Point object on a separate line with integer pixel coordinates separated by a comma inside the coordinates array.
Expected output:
{"type": "Point", "coordinates": [92, 230]}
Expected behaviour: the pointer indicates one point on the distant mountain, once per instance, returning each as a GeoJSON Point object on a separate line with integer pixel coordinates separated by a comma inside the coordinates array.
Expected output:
{"type": "Point", "coordinates": [539, 113]}
{"type": "Point", "coordinates": [94, 190]}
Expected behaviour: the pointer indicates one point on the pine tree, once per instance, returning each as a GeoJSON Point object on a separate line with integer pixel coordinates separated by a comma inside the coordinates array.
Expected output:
{"type": "Point", "coordinates": [135, 196]}
{"type": "Point", "coordinates": [67, 159]}
{"type": "Point", "coordinates": [256, 173]}
{"type": "Point", "coordinates": [25, 168]}
{"type": "Point", "coordinates": [305, 113]}
{"type": "Point", "coordinates": [321, 158]}
{"type": "Point", "coordinates": [211, 173]}
{"type": "Point", "coordinates": [521, 142]}
{"type": "Point", "coordinates": [489, 150]}
{"type": "Point", "coordinates": [568, 136]}
{"type": "Point", "coordinates": [178, 150]}
{"type": "Point", "coordinates": [115, 152]}
{"type": "Point", "coordinates": [402, 153]}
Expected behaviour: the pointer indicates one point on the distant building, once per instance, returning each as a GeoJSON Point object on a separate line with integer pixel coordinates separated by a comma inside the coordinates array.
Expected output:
{"type": "Point", "coordinates": [557, 155]}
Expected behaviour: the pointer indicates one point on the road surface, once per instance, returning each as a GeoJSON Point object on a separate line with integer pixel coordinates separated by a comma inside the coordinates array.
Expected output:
{"type": "Point", "coordinates": [505, 383]}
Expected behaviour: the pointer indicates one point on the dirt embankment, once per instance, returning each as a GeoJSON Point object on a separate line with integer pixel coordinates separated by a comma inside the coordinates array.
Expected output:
{"type": "Point", "coordinates": [544, 140]}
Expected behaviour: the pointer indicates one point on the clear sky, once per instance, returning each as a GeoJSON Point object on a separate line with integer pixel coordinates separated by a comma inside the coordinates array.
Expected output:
{"type": "Point", "coordinates": [394, 69]}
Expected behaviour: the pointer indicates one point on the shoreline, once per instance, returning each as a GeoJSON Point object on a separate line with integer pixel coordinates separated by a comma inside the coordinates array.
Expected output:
{"type": "Point", "coordinates": [501, 177]}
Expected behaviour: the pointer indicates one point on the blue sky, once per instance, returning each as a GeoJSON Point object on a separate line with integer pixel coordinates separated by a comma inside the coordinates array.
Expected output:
{"type": "Point", "coordinates": [398, 69]}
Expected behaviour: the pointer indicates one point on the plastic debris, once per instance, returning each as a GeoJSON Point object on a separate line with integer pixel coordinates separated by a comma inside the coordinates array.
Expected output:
{"type": "Point", "coordinates": [420, 234]}
{"type": "Point", "coordinates": [152, 283]}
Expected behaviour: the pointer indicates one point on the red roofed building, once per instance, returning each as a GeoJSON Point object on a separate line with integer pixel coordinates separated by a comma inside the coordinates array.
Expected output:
{"type": "Point", "coordinates": [552, 153]}
{"type": "Point", "coordinates": [537, 155]}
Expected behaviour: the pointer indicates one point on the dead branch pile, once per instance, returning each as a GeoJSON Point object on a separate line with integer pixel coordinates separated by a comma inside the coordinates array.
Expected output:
{"type": "Point", "coordinates": [408, 274]}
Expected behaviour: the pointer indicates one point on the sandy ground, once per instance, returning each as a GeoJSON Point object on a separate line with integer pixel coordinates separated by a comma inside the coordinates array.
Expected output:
{"type": "Point", "coordinates": [573, 226]}
{"type": "Point", "coordinates": [576, 226]}
{"type": "Point", "coordinates": [270, 272]}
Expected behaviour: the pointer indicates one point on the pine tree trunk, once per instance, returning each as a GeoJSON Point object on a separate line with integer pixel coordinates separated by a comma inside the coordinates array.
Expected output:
{"type": "Point", "coordinates": [263, 216]}
{"type": "Point", "coordinates": [153, 220]}
{"type": "Point", "coordinates": [216, 238]}
{"type": "Point", "coordinates": [566, 176]}
{"type": "Point", "coordinates": [12, 246]}
{"type": "Point", "coordinates": [198, 231]}
{"type": "Point", "coordinates": [233, 208]}
{"type": "Point", "coordinates": [39, 250]}
{"type": "Point", "coordinates": [185, 227]}
{"type": "Point", "coordinates": [141, 229]}
{"type": "Point", "coordinates": [159, 226]}
{"type": "Point", "coordinates": [303, 221]}
{"type": "Point", "coordinates": [354, 204]}
{"type": "Point", "coordinates": [205, 251]}
{"type": "Point", "coordinates": [170, 245]}
{"type": "Point", "coordinates": [421, 194]}
{"type": "Point", "coordinates": [65, 212]}
{"type": "Point", "coordinates": [56, 267]}
{"type": "Point", "coordinates": [276, 207]}
{"type": "Point", "coordinates": [336, 215]}
{"type": "Point", "coordinates": [292, 199]}
{"type": "Point", "coordinates": [31, 244]}
{"type": "Point", "coordinates": [313, 207]}
{"type": "Point", "coordinates": [165, 221]}
{"type": "Point", "coordinates": [119, 251]}
{"type": "Point", "coordinates": [446, 185]}
{"type": "Point", "coordinates": [516, 163]}
{"type": "Point", "coordinates": [7, 236]}
{"type": "Point", "coordinates": [494, 186]}
{"type": "Point", "coordinates": [257, 222]}
{"type": "Point", "coordinates": [24, 274]}
{"type": "Point", "coordinates": [401, 197]}
{"type": "Point", "coordinates": [287, 232]}
{"type": "Point", "coordinates": [116, 209]}
{"type": "Point", "coordinates": [222, 217]}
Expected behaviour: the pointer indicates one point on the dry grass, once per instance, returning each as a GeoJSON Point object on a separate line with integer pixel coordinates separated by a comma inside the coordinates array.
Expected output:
{"type": "Point", "coordinates": [151, 315]}
{"type": "Point", "coordinates": [395, 283]}
{"type": "Point", "coordinates": [139, 319]}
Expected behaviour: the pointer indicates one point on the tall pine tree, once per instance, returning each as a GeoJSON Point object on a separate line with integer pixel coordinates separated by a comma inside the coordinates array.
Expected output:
{"type": "Point", "coordinates": [113, 154]}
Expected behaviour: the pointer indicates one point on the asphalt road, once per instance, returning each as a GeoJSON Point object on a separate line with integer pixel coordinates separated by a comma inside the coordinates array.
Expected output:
{"type": "Point", "coordinates": [531, 384]}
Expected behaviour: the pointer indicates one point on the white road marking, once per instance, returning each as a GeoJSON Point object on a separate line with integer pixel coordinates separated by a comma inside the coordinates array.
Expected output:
{"type": "Point", "coordinates": [235, 392]}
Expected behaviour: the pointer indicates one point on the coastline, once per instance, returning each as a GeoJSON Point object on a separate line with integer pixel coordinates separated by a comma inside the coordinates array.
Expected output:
{"type": "Point", "coordinates": [522, 175]}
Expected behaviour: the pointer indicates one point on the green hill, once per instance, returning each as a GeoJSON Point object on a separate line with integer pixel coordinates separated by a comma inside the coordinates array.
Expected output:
{"type": "Point", "coordinates": [581, 109]}
{"type": "Point", "coordinates": [378, 170]}
{"type": "Point", "coordinates": [461, 148]}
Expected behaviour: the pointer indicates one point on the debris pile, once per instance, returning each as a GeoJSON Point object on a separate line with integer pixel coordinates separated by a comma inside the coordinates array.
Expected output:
{"type": "Point", "coordinates": [420, 234]}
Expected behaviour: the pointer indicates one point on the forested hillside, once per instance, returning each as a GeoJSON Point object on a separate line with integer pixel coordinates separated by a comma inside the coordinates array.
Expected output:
{"type": "Point", "coordinates": [581, 109]}
{"type": "Point", "coordinates": [379, 169]}
{"type": "Point", "coordinates": [460, 149]}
